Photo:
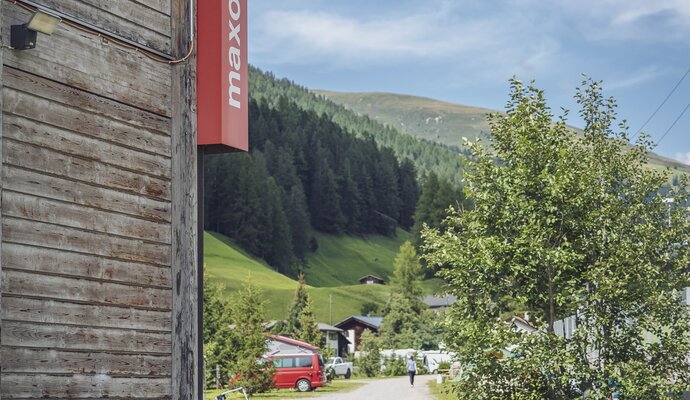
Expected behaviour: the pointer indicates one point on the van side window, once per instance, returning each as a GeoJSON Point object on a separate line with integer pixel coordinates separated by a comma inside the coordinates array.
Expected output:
{"type": "Point", "coordinates": [303, 361]}
{"type": "Point", "coordinates": [284, 362]}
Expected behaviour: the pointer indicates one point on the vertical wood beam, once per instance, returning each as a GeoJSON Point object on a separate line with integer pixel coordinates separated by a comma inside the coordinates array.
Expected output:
{"type": "Point", "coordinates": [185, 268]}
{"type": "Point", "coordinates": [2, 84]}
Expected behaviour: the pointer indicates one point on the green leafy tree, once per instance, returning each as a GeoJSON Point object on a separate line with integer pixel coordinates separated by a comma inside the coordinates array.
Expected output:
{"type": "Point", "coordinates": [248, 317]}
{"type": "Point", "coordinates": [370, 358]}
{"type": "Point", "coordinates": [566, 225]}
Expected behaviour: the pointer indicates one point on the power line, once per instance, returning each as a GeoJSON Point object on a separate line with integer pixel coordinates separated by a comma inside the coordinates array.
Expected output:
{"type": "Point", "coordinates": [662, 104]}
{"type": "Point", "coordinates": [673, 124]}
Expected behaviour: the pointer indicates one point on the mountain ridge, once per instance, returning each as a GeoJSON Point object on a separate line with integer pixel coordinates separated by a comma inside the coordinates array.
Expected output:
{"type": "Point", "coordinates": [405, 113]}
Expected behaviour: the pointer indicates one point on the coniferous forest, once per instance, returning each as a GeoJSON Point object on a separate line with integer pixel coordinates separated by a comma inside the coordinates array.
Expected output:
{"type": "Point", "coordinates": [305, 172]}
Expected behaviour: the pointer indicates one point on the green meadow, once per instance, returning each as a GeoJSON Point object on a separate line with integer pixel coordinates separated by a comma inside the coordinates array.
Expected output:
{"type": "Point", "coordinates": [332, 275]}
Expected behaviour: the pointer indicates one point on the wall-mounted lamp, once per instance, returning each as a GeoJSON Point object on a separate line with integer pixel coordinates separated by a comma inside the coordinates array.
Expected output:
{"type": "Point", "coordinates": [23, 37]}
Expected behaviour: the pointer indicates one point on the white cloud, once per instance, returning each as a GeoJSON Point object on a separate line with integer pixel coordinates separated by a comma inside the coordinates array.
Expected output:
{"type": "Point", "coordinates": [635, 78]}
{"type": "Point", "coordinates": [683, 157]}
{"type": "Point", "coordinates": [639, 20]}
{"type": "Point", "coordinates": [493, 44]}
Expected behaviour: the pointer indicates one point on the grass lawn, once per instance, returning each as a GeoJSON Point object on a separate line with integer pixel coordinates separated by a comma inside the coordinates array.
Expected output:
{"type": "Point", "coordinates": [226, 264]}
{"type": "Point", "coordinates": [438, 392]}
{"type": "Point", "coordinates": [334, 386]}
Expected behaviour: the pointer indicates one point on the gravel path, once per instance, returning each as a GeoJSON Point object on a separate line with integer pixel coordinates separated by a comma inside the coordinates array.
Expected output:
{"type": "Point", "coordinates": [384, 389]}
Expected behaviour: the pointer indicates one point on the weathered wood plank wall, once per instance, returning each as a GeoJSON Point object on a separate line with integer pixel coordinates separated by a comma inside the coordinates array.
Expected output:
{"type": "Point", "coordinates": [98, 260]}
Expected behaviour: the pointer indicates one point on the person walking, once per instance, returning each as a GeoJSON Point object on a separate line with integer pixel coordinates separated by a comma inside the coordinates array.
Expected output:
{"type": "Point", "coordinates": [411, 369]}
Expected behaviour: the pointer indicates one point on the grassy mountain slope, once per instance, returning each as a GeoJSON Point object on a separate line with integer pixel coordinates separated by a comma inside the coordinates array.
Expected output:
{"type": "Point", "coordinates": [344, 259]}
{"type": "Point", "coordinates": [437, 121]}
{"type": "Point", "coordinates": [422, 117]}
{"type": "Point", "coordinates": [229, 266]}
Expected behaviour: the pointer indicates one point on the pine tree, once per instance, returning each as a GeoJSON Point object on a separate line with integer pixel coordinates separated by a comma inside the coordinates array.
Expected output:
{"type": "Point", "coordinates": [402, 316]}
{"type": "Point", "coordinates": [409, 193]}
{"type": "Point", "coordinates": [308, 330]}
{"type": "Point", "coordinates": [219, 344]}
{"type": "Point", "coordinates": [248, 317]}
{"type": "Point", "coordinates": [300, 301]}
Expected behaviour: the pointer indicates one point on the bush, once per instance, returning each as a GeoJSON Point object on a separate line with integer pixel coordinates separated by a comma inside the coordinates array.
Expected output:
{"type": "Point", "coordinates": [370, 359]}
{"type": "Point", "coordinates": [395, 366]}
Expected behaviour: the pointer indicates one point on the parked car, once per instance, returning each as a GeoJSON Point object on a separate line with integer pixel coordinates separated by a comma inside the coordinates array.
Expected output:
{"type": "Point", "coordinates": [340, 367]}
{"type": "Point", "coordinates": [433, 359]}
{"type": "Point", "coordinates": [303, 372]}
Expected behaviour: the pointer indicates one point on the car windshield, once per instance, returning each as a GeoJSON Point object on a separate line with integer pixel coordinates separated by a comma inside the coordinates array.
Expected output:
{"type": "Point", "coordinates": [331, 360]}
{"type": "Point", "coordinates": [321, 361]}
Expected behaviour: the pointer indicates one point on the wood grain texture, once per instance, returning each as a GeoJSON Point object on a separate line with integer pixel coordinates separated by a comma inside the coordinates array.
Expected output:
{"type": "Point", "coordinates": [40, 234]}
{"type": "Point", "coordinates": [66, 312]}
{"type": "Point", "coordinates": [128, 19]}
{"type": "Point", "coordinates": [54, 261]}
{"type": "Point", "coordinates": [88, 63]}
{"type": "Point", "coordinates": [81, 121]}
{"type": "Point", "coordinates": [186, 335]}
{"type": "Point", "coordinates": [83, 170]}
{"type": "Point", "coordinates": [52, 187]}
{"type": "Point", "coordinates": [42, 135]}
{"type": "Point", "coordinates": [21, 283]}
{"type": "Point", "coordinates": [2, 150]}
{"type": "Point", "coordinates": [91, 104]}
{"type": "Point", "coordinates": [159, 5]}
{"type": "Point", "coordinates": [17, 386]}
{"type": "Point", "coordinates": [27, 360]}
{"type": "Point", "coordinates": [27, 334]}
{"type": "Point", "coordinates": [77, 216]}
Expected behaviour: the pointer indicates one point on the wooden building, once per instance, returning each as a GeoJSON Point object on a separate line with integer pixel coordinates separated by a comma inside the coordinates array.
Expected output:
{"type": "Point", "coordinates": [334, 339]}
{"type": "Point", "coordinates": [355, 325]}
{"type": "Point", "coordinates": [371, 280]}
{"type": "Point", "coordinates": [99, 261]}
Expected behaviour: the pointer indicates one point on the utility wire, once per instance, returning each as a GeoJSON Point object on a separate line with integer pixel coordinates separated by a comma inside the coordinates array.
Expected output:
{"type": "Point", "coordinates": [673, 124]}
{"type": "Point", "coordinates": [661, 105]}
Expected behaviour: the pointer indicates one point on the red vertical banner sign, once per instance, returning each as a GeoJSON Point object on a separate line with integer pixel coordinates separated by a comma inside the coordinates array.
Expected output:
{"type": "Point", "coordinates": [222, 74]}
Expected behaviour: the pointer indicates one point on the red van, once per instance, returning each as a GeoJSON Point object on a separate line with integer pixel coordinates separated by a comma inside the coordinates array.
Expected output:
{"type": "Point", "coordinates": [301, 371]}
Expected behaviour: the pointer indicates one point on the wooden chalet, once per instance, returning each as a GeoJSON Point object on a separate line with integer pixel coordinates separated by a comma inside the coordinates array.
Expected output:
{"type": "Point", "coordinates": [371, 280]}
{"type": "Point", "coordinates": [355, 325]}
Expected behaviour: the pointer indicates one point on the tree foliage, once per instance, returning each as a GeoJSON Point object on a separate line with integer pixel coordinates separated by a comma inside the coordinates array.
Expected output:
{"type": "Point", "coordinates": [248, 318]}
{"type": "Point", "coordinates": [567, 225]}
{"type": "Point", "coordinates": [406, 321]}
{"type": "Point", "coordinates": [370, 357]}
{"type": "Point", "coordinates": [304, 171]}
{"type": "Point", "coordinates": [301, 323]}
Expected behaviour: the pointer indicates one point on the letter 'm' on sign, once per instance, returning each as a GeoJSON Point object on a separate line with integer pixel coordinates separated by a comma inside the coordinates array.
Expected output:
{"type": "Point", "coordinates": [222, 74]}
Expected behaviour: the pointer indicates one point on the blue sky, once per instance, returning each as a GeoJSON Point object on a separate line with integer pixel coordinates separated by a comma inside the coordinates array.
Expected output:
{"type": "Point", "coordinates": [464, 51]}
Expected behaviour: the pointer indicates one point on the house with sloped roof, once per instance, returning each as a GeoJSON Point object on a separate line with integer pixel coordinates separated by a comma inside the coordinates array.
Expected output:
{"type": "Point", "coordinates": [354, 326]}
{"type": "Point", "coordinates": [371, 280]}
{"type": "Point", "coordinates": [334, 338]}
{"type": "Point", "coordinates": [439, 303]}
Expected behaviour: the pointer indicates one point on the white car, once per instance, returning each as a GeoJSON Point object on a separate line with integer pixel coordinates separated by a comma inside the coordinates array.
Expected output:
{"type": "Point", "coordinates": [340, 367]}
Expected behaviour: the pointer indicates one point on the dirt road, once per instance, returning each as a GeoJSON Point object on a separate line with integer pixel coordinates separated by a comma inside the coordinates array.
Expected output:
{"type": "Point", "coordinates": [384, 389]}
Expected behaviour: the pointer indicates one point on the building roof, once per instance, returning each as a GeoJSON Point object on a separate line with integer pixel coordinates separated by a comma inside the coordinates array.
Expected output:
{"type": "Point", "coordinates": [521, 323]}
{"type": "Point", "coordinates": [374, 277]}
{"type": "Point", "coordinates": [293, 342]}
{"type": "Point", "coordinates": [436, 302]}
{"type": "Point", "coordinates": [372, 322]}
{"type": "Point", "coordinates": [328, 328]}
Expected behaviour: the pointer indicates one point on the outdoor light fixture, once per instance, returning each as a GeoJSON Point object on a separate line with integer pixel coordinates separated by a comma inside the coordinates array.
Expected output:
{"type": "Point", "coordinates": [23, 37]}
